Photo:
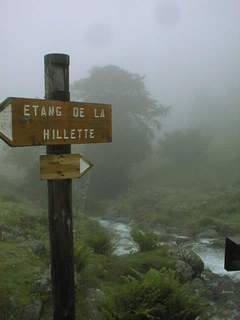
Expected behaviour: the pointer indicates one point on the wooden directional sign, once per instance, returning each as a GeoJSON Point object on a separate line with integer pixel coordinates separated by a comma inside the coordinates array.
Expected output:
{"type": "Point", "coordinates": [33, 122]}
{"type": "Point", "coordinates": [63, 166]}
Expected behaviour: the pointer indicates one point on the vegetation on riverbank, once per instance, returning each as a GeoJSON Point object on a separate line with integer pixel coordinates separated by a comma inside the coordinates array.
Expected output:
{"type": "Point", "coordinates": [25, 277]}
{"type": "Point", "coordinates": [153, 295]}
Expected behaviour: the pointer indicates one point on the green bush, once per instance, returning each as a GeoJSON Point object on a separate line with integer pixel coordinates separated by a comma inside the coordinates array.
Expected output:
{"type": "Point", "coordinates": [99, 242]}
{"type": "Point", "coordinates": [142, 262]}
{"type": "Point", "coordinates": [157, 295]}
{"type": "Point", "coordinates": [96, 237]}
{"type": "Point", "coordinates": [146, 240]}
{"type": "Point", "coordinates": [89, 233]}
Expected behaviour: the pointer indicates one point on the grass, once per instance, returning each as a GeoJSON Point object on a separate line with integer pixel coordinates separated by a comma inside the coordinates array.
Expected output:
{"type": "Point", "coordinates": [110, 269]}
{"type": "Point", "coordinates": [21, 269]}
{"type": "Point", "coordinates": [18, 268]}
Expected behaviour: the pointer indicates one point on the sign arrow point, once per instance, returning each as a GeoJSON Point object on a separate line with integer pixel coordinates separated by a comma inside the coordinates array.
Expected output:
{"type": "Point", "coordinates": [85, 165]}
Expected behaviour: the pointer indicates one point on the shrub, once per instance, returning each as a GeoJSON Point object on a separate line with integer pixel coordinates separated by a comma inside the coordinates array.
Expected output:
{"type": "Point", "coordinates": [141, 262]}
{"type": "Point", "coordinates": [99, 240]}
{"type": "Point", "coordinates": [146, 240]}
{"type": "Point", "coordinates": [155, 295]}
{"type": "Point", "coordinates": [91, 234]}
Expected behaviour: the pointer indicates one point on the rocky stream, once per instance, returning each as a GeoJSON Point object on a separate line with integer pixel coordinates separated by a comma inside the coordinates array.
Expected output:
{"type": "Point", "coordinates": [219, 287]}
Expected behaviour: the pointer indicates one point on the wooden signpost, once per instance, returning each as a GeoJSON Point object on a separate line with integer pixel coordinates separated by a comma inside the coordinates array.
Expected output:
{"type": "Point", "coordinates": [57, 123]}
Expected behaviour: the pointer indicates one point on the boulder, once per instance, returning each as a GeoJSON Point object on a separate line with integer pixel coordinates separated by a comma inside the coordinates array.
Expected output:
{"type": "Point", "coordinates": [193, 260]}
{"type": "Point", "coordinates": [184, 271]}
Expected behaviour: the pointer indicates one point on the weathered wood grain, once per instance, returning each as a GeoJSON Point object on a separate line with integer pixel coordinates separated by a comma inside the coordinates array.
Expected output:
{"type": "Point", "coordinates": [58, 167]}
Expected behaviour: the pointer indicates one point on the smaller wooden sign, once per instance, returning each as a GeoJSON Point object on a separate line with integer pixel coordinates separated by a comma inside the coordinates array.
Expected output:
{"type": "Point", "coordinates": [63, 166]}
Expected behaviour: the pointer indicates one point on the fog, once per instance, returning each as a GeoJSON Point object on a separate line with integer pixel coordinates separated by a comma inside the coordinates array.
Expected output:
{"type": "Point", "coordinates": [153, 213]}
{"type": "Point", "coordinates": [184, 48]}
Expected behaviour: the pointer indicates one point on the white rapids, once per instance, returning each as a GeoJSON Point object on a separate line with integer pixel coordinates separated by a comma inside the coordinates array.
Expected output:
{"type": "Point", "coordinates": [123, 242]}
{"type": "Point", "coordinates": [212, 257]}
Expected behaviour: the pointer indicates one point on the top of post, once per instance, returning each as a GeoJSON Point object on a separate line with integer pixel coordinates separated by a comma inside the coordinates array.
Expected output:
{"type": "Point", "coordinates": [56, 66]}
{"type": "Point", "coordinates": [57, 58]}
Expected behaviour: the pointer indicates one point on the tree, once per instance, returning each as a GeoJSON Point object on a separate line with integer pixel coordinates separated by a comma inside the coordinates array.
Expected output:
{"type": "Point", "coordinates": [135, 117]}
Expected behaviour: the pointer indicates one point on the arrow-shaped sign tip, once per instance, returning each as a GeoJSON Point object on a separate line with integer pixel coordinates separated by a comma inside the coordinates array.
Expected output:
{"type": "Point", "coordinates": [84, 166]}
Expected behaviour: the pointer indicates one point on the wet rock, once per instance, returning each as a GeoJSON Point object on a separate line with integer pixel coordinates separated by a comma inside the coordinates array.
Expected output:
{"type": "Point", "coordinates": [193, 260]}
{"type": "Point", "coordinates": [184, 271]}
{"type": "Point", "coordinates": [223, 294]}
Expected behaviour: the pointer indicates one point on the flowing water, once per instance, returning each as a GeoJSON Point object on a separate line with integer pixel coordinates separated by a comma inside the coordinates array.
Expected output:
{"type": "Point", "coordinates": [123, 242]}
{"type": "Point", "coordinates": [212, 257]}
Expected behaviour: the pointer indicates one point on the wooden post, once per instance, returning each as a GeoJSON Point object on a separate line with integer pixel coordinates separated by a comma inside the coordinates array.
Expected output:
{"type": "Point", "coordinates": [60, 201]}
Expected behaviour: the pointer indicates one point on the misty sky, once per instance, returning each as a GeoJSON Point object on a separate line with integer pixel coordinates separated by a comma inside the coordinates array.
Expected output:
{"type": "Point", "coordinates": [184, 47]}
